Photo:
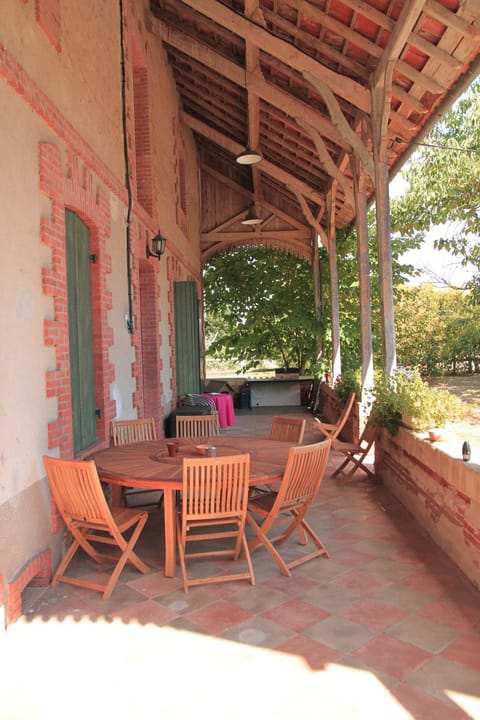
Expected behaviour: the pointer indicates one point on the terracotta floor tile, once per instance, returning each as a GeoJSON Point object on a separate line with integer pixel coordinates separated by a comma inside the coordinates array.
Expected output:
{"type": "Point", "coordinates": [146, 612]}
{"type": "Point", "coordinates": [339, 633]}
{"type": "Point", "coordinates": [466, 651]}
{"type": "Point", "coordinates": [373, 614]}
{"type": "Point", "coordinates": [296, 615]}
{"type": "Point", "coordinates": [180, 602]}
{"type": "Point", "coordinates": [427, 582]}
{"type": "Point", "coordinates": [218, 616]}
{"type": "Point", "coordinates": [395, 657]}
{"type": "Point", "coordinates": [330, 597]}
{"type": "Point", "coordinates": [299, 587]}
{"type": "Point", "coordinates": [360, 582]}
{"type": "Point", "coordinates": [448, 680]}
{"type": "Point", "coordinates": [259, 631]}
{"type": "Point", "coordinates": [257, 599]}
{"type": "Point", "coordinates": [423, 633]}
{"type": "Point", "coordinates": [351, 558]}
{"type": "Point", "coordinates": [423, 706]}
{"type": "Point", "coordinates": [155, 584]}
{"type": "Point", "coordinates": [402, 597]}
{"type": "Point", "coordinates": [393, 571]}
{"type": "Point", "coordinates": [448, 612]}
{"type": "Point", "coordinates": [314, 653]}
{"type": "Point", "coordinates": [372, 547]}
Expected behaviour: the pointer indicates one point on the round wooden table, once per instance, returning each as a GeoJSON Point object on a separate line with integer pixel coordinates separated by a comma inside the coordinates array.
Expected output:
{"type": "Point", "coordinates": [147, 465]}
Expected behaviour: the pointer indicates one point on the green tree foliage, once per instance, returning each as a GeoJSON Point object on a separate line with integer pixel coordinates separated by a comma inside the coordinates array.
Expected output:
{"type": "Point", "coordinates": [259, 306]}
{"type": "Point", "coordinates": [437, 330]}
{"type": "Point", "coordinates": [444, 184]}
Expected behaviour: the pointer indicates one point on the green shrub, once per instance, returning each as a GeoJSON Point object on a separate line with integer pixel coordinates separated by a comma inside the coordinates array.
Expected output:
{"type": "Point", "coordinates": [406, 399]}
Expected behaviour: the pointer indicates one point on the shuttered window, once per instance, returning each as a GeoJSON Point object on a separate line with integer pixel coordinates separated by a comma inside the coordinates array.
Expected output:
{"type": "Point", "coordinates": [187, 338]}
{"type": "Point", "coordinates": [80, 331]}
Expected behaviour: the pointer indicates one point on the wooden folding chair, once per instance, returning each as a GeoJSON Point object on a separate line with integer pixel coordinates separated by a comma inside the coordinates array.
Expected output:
{"type": "Point", "coordinates": [289, 429]}
{"type": "Point", "coordinates": [214, 508]}
{"type": "Point", "coordinates": [284, 428]}
{"type": "Point", "coordinates": [300, 484]}
{"type": "Point", "coordinates": [333, 430]}
{"type": "Point", "coordinates": [125, 432]}
{"type": "Point", "coordinates": [78, 495]}
{"type": "Point", "coordinates": [355, 453]}
{"type": "Point", "coordinates": [197, 426]}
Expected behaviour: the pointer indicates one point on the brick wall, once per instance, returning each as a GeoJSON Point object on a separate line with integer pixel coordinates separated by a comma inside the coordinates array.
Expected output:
{"type": "Point", "coordinates": [441, 492]}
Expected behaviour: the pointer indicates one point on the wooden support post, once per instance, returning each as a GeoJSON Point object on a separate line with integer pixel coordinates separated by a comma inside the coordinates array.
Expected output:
{"type": "Point", "coordinates": [380, 106]}
{"type": "Point", "coordinates": [317, 298]}
{"type": "Point", "coordinates": [363, 262]}
{"type": "Point", "coordinates": [334, 302]}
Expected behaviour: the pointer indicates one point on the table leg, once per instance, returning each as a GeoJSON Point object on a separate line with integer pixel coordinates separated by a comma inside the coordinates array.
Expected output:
{"type": "Point", "coordinates": [170, 533]}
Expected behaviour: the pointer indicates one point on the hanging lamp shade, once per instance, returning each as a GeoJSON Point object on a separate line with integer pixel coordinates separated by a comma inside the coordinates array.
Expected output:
{"type": "Point", "coordinates": [252, 217]}
{"type": "Point", "coordinates": [249, 157]}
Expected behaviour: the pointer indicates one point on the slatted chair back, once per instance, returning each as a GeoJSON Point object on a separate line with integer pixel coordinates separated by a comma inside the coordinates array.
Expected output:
{"type": "Point", "coordinates": [213, 508]}
{"type": "Point", "coordinates": [78, 495]}
{"type": "Point", "coordinates": [288, 429]}
{"type": "Point", "coordinates": [127, 432]}
{"type": "Point", "coordinates": [355, 453]}
{"type": "Point", "coordinates": [333, 430]}
{"type": "Point", "coordinates": [300, 484]}
{"type": "Point", "coordinates": [124, 432]}
{"type": "Point", "coordinates": [197, 426]}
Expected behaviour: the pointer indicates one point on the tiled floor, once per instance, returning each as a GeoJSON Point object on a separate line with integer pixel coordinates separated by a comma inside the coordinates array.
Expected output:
{"type": "Point", "coordinates": [386, 628]}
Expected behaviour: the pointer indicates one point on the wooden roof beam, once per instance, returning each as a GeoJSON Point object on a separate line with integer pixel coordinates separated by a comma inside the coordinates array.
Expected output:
{"type": "Point", "coordinates": [408, 17]}
{"type": "Point", "coordinates": [451, 20]}
{"type": "Point", "coordinates": [231, 71]}
{"type": "Point", "coordinates": [415, 40]}
{"type": "Point", "coordinates": [339, 120]}
{"type": "Point", "coordinates": [341, 85]}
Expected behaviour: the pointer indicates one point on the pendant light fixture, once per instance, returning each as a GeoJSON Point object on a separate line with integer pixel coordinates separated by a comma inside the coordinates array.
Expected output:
{"type": "Point", "coordinates": [249, 157]}
{"type": "Point", "coordinates": [252, 217]}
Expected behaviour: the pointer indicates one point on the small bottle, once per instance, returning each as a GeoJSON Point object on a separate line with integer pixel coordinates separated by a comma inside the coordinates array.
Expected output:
{"type": "Point", "coordinates": [466, 452]}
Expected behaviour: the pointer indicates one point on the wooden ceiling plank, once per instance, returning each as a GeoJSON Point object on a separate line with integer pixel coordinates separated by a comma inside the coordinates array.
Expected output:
{"type": "Point", "coordinates": [321, 47]}
{"type": "Point", "coordinates": [408, 17]}
{"type": "Point", "coordinates": [415, 40]}
{"type": "Point", "coordinates": [419, 78]}
{"type": "Point", "coordinates": [340, 29]}
{"type": "Point", "coordinates": [226, 181]}
{"type": "Point", "coordinates": [343, 86]}
{"type": "Point", "coordinates": [451, 20]}
{"type": "Point", "coordinates": [434, 51]}
{"type": "Point", "coordinates": [371, 13]}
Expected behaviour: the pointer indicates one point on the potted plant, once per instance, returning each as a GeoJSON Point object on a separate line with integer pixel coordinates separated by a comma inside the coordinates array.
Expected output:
{"type": "Point", "coordinates": [407, 400]}
{"type": "Point", "coordinates": [427, 408]}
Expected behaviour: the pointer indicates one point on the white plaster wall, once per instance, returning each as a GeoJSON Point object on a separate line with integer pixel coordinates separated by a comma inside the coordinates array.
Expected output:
{"type": "Point", "coordinates": [83, 81]}
{"type": "Point", "coordinates": [24, 409]}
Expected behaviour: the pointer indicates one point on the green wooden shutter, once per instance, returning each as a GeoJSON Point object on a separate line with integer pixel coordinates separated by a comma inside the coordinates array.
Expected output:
{"type": "Point", "coordinates": [80, 331]}
{"type": "Point", "coordinates": [187, 338]}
